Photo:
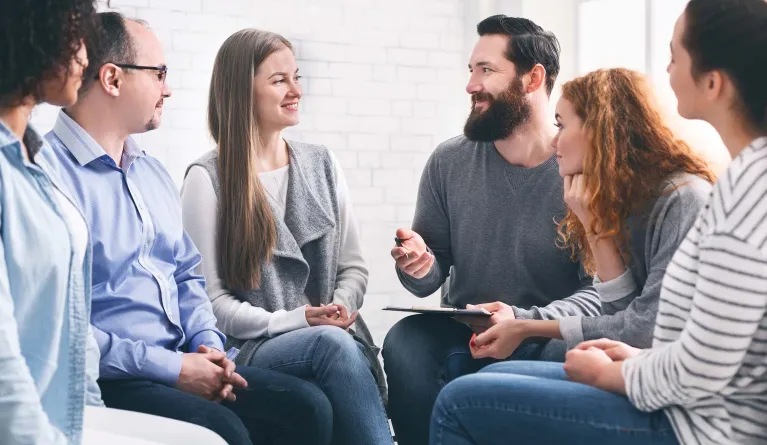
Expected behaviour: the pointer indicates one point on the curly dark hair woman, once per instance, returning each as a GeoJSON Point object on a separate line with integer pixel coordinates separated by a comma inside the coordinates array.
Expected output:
{"type": "Point", "coordinates": [47, 349]}
{"type": "Point", "coordinates": [40, 40]}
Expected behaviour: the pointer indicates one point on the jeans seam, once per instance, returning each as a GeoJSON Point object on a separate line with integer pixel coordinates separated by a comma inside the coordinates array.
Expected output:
{"type": "Point", "coordinates": [316, 341]}
{"type": "Point", "coordinates": [603, 426]}
{"type": "Point", "coordinates": [282, 365]}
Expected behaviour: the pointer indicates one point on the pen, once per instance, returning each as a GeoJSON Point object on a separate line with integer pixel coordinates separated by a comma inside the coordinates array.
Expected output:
{"type": "Point", "coordinates": [399, 244]}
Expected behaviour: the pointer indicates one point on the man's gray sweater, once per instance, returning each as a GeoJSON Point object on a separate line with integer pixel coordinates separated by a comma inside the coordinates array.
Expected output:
{"type": "Point", "coordinates": [495, 224]}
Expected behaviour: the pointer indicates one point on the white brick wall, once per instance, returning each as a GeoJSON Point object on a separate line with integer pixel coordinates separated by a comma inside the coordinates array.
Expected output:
{"type": "Point", "coordinates": [383, 85]}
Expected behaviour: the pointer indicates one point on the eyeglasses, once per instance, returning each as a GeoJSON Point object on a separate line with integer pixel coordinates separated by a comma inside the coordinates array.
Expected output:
{"type": "Point", "coordinates": [162, 70]}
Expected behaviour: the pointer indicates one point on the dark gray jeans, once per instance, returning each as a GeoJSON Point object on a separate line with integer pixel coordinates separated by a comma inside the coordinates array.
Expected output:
{"type": "Point", "coordinates": [422, 354]}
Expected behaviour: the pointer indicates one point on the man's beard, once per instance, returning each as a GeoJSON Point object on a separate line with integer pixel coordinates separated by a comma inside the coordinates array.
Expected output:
{"type": "Point", "coordinates": [502, 116]}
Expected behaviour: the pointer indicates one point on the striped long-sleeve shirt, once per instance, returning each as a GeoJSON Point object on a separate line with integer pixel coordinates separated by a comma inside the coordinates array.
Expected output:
{"type": "Point", "coordinates": [708, 365]}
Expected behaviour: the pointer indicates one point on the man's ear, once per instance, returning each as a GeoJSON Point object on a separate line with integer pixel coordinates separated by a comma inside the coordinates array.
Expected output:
{"type": "Point", "coordinates": [110, 79]}
{"type": "Point", "coordinates": [537, 77]}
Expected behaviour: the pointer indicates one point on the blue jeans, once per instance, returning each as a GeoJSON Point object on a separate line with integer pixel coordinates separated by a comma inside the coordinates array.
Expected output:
{"type": "Point", "coordinates": [266, 412]}
{"type": "Point", "coordinates": [534, 403]}
{"type": "Point", "coordinates": [334, 361]}
{"type": "Point", "coordinates": [422, 353]}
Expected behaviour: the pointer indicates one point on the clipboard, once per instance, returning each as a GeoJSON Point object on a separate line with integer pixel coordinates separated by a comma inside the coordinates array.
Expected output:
{"type": "Point", "coordinates": [447, 311]}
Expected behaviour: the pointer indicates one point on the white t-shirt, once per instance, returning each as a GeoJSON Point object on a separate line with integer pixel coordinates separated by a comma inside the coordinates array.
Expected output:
{"type": "Point", "coordinates": [275, 185]}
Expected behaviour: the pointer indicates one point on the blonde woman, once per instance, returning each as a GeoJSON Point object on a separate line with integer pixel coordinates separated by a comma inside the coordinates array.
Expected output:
{"type": "Point", "coordinates": [281, 251]}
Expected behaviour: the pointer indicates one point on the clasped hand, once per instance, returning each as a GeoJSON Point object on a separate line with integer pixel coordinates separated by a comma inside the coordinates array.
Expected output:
{"type": "Point", "coordinates": [331, 315]}
{"type": "Point", "coordinates": [207, 373]}
{"type": "Point", "coordinates": [591, 363]}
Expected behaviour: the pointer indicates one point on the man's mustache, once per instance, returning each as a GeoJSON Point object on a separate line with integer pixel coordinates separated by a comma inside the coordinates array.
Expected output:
{"type": "Point", "coordinates": [482, 96]}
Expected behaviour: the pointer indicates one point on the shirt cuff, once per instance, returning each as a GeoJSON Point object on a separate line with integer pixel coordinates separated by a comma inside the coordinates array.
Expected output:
{"type": "Point", "coordinates": [286, 321]}
{"type": "Point", "coordinates": [571, 329]}
{"type": "Point", "coordinates": [525, 314]}
{"type": "Point", "coordinates": [615, 289]}
{"type": "Point", "coordinates": [630, 369]}
{"type": "Point", "coordinates": [341, 297]}
{"type": "Point", "coordinates": [208, 338]}
{"type": "Point", "coordinates": [163, 365]}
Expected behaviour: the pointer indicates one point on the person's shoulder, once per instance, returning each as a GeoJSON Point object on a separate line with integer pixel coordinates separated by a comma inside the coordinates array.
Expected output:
{"type": "Point", "coordinates": [688, 186]}
{"type": "Point", "coordinates": [207, 162]}
{"type": "Point", "coordinates": [457, 151]}
{"type": "Point", "coordinates": [58, 148]}
{"type": "Point", "coordinates": [156, 168]}
{"type": "Point", "coordinates": [747, 173]}
{"type": "Point", "coordinates": [154, 162]}
{"type": "Point", "coordinates": [311, 154]}
{"type": "Point", "coordinates": [685, 192]}
{"type": "Point", "coordinates": [455, 147]}
{"type": "Point", "coordinates": [310, 151]}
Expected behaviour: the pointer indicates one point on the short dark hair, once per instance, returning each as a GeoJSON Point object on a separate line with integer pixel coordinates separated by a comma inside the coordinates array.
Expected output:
{"type": "Point", "coordinates": [39, 38]}
{"type": "Point", "coordinates": [114, 45]}
{"type": "Point", "coordinates": [731, 36]}
{"type": "Point", "coordinates": [529, 44]}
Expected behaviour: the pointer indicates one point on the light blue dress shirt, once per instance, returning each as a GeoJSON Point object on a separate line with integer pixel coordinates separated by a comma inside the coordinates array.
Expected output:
{"type": "Point", "coordinates": [45, 342]}
{"type": "Point", "coordinates": [149, 305]}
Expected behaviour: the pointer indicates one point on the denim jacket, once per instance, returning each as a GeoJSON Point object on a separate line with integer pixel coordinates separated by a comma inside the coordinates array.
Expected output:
{"type": "Point", "coordinates": [45, 335]}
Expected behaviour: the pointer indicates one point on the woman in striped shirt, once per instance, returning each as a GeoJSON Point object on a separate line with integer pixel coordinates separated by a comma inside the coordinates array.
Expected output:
{"type": "Point", "coordinates": [704, 381]}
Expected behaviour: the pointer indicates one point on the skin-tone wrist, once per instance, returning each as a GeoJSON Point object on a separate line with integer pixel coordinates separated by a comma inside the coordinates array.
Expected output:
{"type": "Point", "coordinates": [538, 328]}
{"type": "Point", "coordinates": [607, 257]}
{"type": "Point", "coordinates": [611, 378]}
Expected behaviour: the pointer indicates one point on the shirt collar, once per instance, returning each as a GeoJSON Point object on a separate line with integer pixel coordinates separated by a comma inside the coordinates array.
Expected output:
{"type": "Point", "coordinates": [31, 139]}
{"type": "Point", "coordinates": [83, 147]}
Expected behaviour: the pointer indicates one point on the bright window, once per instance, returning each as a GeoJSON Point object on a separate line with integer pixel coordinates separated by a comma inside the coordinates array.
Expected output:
{"type": "Point", "coordinates": [636, 34]}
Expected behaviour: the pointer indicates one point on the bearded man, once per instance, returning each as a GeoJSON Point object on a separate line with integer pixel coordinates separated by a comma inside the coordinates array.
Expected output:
{"type": "Point", "coordinates": [486, 217]}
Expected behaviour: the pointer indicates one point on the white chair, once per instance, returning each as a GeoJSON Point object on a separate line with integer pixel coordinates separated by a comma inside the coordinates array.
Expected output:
{"type": "Point", "coordinates": [118, 427]}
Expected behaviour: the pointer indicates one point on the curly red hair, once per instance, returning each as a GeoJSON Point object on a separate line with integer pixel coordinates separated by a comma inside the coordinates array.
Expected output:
{"type": "Point", "coordinates": [631, 152]}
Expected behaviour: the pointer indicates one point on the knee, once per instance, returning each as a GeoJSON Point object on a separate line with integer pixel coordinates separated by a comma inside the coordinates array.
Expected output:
{"type": "Point", "coordinates": [502, 367]}
{"type": "Point", "coordinates": [223, 422]}
{"type": "Point", "coordinates": [401, 334]}
{"type": "Point", "coordinates": [453, 395]}
{"type": "Point", "coordinates": [338, 342]}
{"type": "Point", "coordinates": [401, 341]}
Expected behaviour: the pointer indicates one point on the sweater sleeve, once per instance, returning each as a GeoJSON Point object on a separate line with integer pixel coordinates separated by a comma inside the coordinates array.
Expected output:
{"type": "Point", "coordinates": [432, 223]}
{"type": "Point", "coordinates": [234, 317]}
{"type": "Point", "coordinates": [351, 275]}
{"type": "Point", "coordinates": [583, 303]}
{"type": "Point", "coordinates": [629, 311]}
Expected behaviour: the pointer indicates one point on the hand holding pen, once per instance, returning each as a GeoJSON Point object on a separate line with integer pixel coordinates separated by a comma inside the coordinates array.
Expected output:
{"type": "Point", "coordinates": [411, 254]}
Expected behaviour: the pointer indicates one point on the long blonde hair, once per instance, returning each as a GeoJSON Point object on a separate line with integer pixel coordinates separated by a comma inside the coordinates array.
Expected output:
{"type": "Point", "coordinates": [246, 227]}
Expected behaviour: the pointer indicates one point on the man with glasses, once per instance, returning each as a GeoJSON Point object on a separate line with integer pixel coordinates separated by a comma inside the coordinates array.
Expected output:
{"type": "Point", "coordinates": [161, 352]}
